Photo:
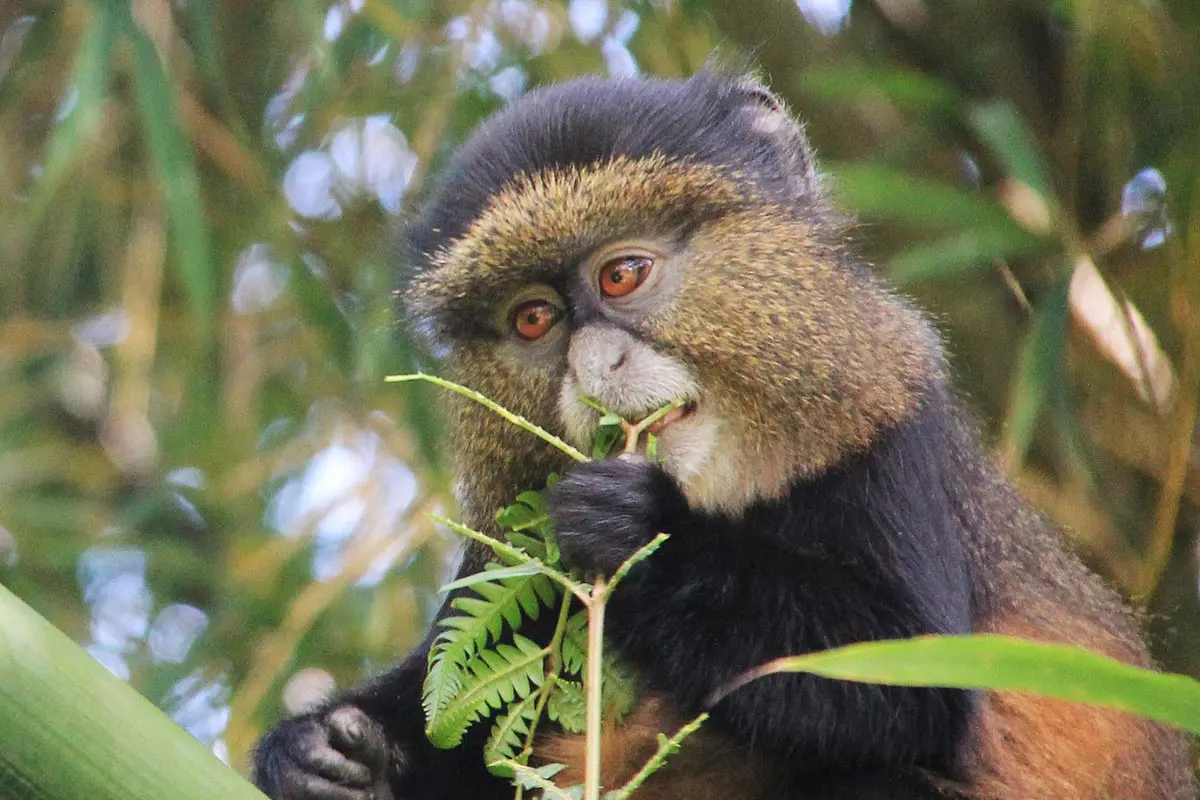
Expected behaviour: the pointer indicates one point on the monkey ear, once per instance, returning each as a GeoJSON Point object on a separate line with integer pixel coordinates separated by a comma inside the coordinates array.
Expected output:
{"type": "Point", "coordinates": [771, 118]}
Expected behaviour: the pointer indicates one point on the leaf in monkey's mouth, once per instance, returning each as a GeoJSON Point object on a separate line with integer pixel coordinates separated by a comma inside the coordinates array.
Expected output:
{"type": "Point", "coordinates": [675, 415]}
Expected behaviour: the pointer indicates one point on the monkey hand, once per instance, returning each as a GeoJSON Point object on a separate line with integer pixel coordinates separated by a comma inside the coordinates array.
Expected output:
{"type": "Point", "coordinates": [338, 754]}
{"type": "Point", "coordinates": [605, 510]}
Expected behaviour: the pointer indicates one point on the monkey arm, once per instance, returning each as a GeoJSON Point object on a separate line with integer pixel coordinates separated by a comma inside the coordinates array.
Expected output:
{"type": "Point", "coordinates": [873, 550]}
{"type": "Point", "coordinates": [702, 612]}
{"type": "Point", "coordinates": [371, 742]}
{"type": "Point", "coordinates": [420, 770]}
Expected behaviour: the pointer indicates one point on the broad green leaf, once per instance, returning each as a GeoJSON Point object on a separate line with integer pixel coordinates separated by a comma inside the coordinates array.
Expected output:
{"type": "Point", "coordinates": [1037, 372]}
{"type": "Point", "coordinates": [1000, 127]}
{"type": "Point", "coordinates": [171, 154]}
{"type": "Point", "coordinates": [889, 193]}
{"type": "Point", "coordinates": [90, 82]}
{"type": "Point", "coordinates": [1003, 663]}
{"type": "Point", "coordinates": [972, 249]}
{"type": "Point", "coordinates": [73, 730]}
{"type": "Point", "coordinates": [911, 90]}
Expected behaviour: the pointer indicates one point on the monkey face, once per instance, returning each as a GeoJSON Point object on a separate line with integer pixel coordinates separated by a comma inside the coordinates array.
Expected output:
{"type": "Point", "coordinates": [596, 246]}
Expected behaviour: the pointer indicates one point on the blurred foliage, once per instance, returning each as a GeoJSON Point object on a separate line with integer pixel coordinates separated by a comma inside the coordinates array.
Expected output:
{"type": "Point", "coordinates": [203, 477]}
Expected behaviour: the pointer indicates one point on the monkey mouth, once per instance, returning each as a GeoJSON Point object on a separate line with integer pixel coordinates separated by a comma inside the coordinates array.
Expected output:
{"type": "Point", "coordinates": [683, 412]}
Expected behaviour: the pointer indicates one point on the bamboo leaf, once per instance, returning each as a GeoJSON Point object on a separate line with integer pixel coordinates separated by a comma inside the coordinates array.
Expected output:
{"type": "Point", "coordinates": [172, 157]}
{"type": "Point", "coordinates": [1000, 126]}
{"type": "Point", "coordinates": [90, 81]}
{"type": "Point", "coordinates": [884, 192]}
{"type": "Point", "coordinates": [911, 90]}
{"type": "Point", "coordinates": [73, 730]}
{"type": "Point", "coordinates": [1037, 372]}
{"type": "Point", "coordinates": [1003, 663]}
{"type": "Point", "coordinates": [963, 252]}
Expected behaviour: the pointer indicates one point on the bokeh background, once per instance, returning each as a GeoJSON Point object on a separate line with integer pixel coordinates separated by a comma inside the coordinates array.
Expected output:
{"type": "Point", "coordinates": [204, 479]}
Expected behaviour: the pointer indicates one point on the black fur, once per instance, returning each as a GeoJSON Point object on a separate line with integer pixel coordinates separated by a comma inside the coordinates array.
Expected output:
{"type": "Point", "coordinates": [871, 550]}
{"type": "Point", "coordinates": [874, 549]}
{"type": "Point", "coordinates": [592, 120]}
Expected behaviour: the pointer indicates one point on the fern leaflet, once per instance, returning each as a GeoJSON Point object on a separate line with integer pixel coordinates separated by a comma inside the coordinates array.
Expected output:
{"type": "Point", "coordinates": [497, 677]}
{"type": "Point", "coordinates": [507, 738]}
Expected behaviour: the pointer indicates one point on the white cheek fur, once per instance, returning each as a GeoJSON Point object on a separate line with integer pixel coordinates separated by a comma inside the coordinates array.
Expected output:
{"type": "Point", "coordinates": [718, 467]}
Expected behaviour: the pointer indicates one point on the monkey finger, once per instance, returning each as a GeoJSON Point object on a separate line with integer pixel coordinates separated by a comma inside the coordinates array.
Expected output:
{"type": "Point", "coordinates": [335, 766]}
{"type": "Point", "coordinates": [314, 787]}
{"type": "Point", "coordinates": [359, 737]}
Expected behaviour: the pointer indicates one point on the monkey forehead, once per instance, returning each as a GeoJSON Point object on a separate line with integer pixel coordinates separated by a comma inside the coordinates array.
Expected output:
{"type": "Point", "coordinates": [538, 228]}
{"type": "Point", "coordinates": [708, 118]}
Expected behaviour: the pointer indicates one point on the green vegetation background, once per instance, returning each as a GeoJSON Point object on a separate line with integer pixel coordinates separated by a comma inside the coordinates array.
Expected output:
{"type": "Point", "coordinates": [204, 479]}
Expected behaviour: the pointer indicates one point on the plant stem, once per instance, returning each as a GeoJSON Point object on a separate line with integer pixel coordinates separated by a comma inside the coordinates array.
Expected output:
{"type": "Point", "coordinates": [515, 419]}
{"type": "Point", "coordinates": [595, 663]}
{"type": "Point", "coordinates": [666, 748]}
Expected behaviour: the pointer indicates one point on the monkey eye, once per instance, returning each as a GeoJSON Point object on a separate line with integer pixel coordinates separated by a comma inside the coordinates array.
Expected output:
{"type": "Point", "coordinates": [622, 275]}
{"type": "Point", "coordinates": [533, 319]}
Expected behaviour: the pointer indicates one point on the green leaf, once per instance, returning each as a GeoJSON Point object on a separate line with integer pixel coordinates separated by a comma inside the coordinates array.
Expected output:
{"type": "Point", "coordinates": [484, 616]}
{"type": "Point", "coordinates": [316, 300]}
{"type": "Point", "coordinates": [618, 688]}
{"type": "Point", "coordinates": [506, 595]}
{"type": "Point", "coordinates": [1001, 127]}
{"type": "Point", "coordinates": [532, 545]}
{"type": "Point", "coordinates": [538, 779]}
{"type": "Point", "coordinates": [68, 146]}
{"type": "Point", "coordinates": [889, 193]}
{"type": "Point", "coordinates": [568, 706]}
{"type": "Point", "coordinates": [963, 252]}
{"type": "Point", "coordinates": [508, 735]}
{"type": "Point", "coordinates": [172, 156]}
{"type": "Point", "coordinates": [574, 643]}
{"type": "Point", "coordinates": [443, 682]}
{"type": "Point", "coordinates": [606, 439]}
{"type": "Point", "coordinates": [498, 573]}
{"type": "Point", "coordinates": [1003, 663]}
{"type": "Point", "coordinates": [73, 730]}
{"type": "Point", "coordinates": [497, 677]}
{"type": "Point", "coordinates": [911, 90]}
{"type": "Point", "coordinates": [1038, 370]}
{"type": "Point", "coordinates": [667, 746]}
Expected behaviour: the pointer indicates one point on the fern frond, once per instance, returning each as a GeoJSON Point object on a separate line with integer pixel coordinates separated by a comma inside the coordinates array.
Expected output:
{"type": "Point", "coordinates": [507, 738]}
{"type": "Point", "coordinates": [442, 682]}
{"type": "Point", "coordinates": [618, 689]}
{"type": "Point", "coordinates": [568, 707]}
{"type": "Point", "coordinates": [496, 677]}
{"type": "Point", "coordinates": [481, 619]}
{"type": "Point", "coordinates": [539, 779]}
{"type": "Point", "coordinates": [574, 644]}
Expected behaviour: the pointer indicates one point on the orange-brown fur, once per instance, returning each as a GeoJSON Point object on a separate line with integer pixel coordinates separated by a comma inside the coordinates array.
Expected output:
{"type": "Point", "coordinates": [840, 331]}
{"type": "Point", "coordinates": [1033, 748]}
{"type": "Point", "coordinates": [707, 765]}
